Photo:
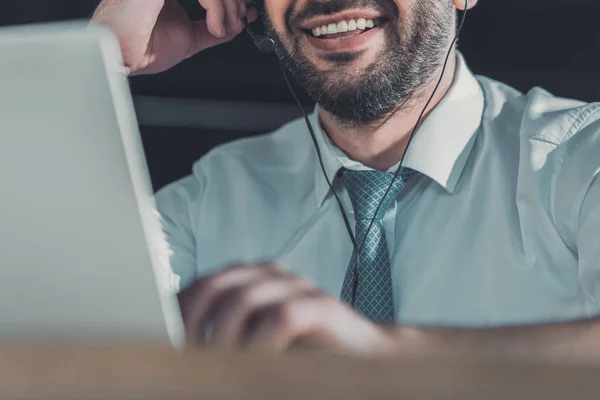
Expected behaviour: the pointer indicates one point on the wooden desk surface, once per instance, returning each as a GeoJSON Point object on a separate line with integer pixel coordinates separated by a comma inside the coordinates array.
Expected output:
{"type": "Point", "coordinates": [118, 373]}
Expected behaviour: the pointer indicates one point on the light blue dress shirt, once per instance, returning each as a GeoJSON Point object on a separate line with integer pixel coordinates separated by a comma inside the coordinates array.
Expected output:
{"type": "Point", "coordinates": [502, 226]}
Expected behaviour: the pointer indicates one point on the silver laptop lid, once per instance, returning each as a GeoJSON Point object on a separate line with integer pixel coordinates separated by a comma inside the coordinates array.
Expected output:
{"type": "Point", "coordinates": [82, 255]}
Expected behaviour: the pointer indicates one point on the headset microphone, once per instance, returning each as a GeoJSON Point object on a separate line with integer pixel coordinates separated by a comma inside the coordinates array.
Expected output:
{"type": "Point", "coordinates": [265, 45]}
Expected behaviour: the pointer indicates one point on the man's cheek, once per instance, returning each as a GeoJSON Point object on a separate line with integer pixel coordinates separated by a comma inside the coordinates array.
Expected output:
{"type": "Point", "coordinates": [275, 11]}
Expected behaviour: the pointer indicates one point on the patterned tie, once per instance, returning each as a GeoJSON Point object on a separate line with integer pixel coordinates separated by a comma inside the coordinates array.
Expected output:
{"type": "Point", "coordinates": [374, 294]}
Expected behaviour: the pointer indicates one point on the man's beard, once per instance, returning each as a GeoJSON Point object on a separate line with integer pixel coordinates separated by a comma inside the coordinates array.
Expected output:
{"type": "Point", "coordinates": [413, 51]}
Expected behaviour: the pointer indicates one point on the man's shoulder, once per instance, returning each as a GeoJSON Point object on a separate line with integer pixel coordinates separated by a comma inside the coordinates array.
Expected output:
{"type": "Point", "coordinates": [557, 119]}
{"type": "Point", "coordinates": [284, 150]}
{"type": "Point", "coordinates": [539, 114]}
{"type": "Point", "coordinates": [285, 145]}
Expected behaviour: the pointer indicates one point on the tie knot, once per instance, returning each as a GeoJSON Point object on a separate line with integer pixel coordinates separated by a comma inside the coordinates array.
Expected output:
{"type": "Point", "coordinates": [367, 189]}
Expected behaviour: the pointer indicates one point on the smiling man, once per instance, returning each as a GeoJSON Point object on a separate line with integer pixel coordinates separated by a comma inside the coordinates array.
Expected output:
{"type": "Point", "coordinates": [487, 240]}
{"type": "Point", "coordinates": [362, 60]}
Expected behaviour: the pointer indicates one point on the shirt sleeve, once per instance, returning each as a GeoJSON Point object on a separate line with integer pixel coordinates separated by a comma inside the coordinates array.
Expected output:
{"type": "Point", "coordinates": [577, 202]}
{"type": "Point", "coordinates": [175, 204]}
{"type": "Point", "coordinates": [588, 244]}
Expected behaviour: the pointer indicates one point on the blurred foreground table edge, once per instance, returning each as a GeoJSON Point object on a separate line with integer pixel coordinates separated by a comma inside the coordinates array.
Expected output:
{"type": "Point", "coordinates": [117, 372]}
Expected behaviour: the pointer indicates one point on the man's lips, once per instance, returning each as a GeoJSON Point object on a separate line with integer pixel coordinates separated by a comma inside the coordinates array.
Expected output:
{"type": "Point", "coordinates": [352, 42]}
{"type": "Point", "coordinates": [335, 18]}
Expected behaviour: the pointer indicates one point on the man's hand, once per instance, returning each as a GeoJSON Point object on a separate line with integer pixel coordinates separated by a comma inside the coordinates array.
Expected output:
{"type": "Point", "coordinates": [155, 35]}
{"type": "Point", "coordinates": [264, 308]}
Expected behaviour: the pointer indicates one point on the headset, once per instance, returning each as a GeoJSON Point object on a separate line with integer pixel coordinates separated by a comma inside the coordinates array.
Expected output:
{"type": "Point", "coordinates": [267, 46]}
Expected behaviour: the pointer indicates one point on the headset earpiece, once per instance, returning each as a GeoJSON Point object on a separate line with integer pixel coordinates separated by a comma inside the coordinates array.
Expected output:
{"type": "Point", "coordinates": [265, 44]}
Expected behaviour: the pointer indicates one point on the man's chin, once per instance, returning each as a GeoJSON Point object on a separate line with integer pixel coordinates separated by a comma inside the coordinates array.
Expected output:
{"type": "Point", "coordinates": [351, 61]}
{"type": "Point", "coordinates": [343, 67]}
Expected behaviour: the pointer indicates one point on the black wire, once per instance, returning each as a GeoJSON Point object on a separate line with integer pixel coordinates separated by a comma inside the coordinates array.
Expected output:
{"type": "Point", "coordinates": [396, 174]}
{"type": "Point", "coordinates": [341, 206]}
{"type": "Point", "coordinates": [316, 144]}
{"type": "Point", "coordinates": [357, 248]}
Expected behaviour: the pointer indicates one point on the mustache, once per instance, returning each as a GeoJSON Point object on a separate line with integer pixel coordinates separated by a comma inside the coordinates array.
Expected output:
{"type": "Point", "coordinates": [319, 8]}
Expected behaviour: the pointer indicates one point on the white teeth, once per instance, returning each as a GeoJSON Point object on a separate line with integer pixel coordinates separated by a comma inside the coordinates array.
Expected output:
{"type": "Point", "coordinates": [361, 23]}
{"type": "Point", "coordinates": [342, 26]}
{"type": "Point", "coordinates": [346, 26]}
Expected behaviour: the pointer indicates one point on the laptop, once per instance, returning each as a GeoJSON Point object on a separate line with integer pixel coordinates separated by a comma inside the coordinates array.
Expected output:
{"type": "Point", "coordinates": [82, 254]}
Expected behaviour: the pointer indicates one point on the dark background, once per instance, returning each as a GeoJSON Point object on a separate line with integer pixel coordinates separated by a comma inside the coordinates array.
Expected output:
{"type": "Point", "coordinates": [525, 43]}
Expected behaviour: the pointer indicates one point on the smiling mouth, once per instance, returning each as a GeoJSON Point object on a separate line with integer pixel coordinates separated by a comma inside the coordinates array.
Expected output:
{"type": "Point", "coordinates": [344, 29]}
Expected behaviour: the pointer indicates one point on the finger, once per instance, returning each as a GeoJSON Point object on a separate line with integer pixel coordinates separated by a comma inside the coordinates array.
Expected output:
{"type": "Point", "coordinates": [243, 8]}
{"type": "Point", "coordinates": [248, 10]}
{"type": "Point", "coordinates": [215, 17]}
{"type": "Point", "coordinates": [318, 322]}
{"type": "Point", "coordinates": [251, 14]}
{"type": "Point", "coordinates": [302, 319]}
{"type": "Point", "coordinates": [232, 320]}
{"type": "Point", "coordinates": [204, 39]}
{"type": "Point", "coordinates": [196, 301]}
{"type": "Point", "coordinates": [234, 19]}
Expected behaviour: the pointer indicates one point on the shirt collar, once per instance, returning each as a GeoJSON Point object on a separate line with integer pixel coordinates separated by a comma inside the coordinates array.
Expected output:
{"type": "Point", "coordinates": [441, 145]}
